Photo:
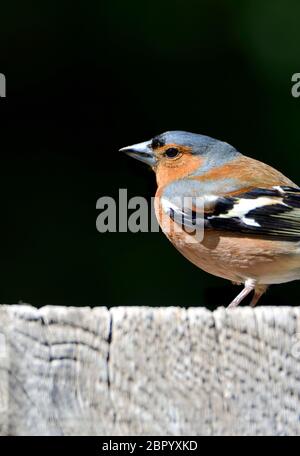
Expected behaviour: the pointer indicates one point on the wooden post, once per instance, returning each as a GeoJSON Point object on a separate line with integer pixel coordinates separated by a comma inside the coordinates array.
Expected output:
{"type": "Point", "coordinates": [149, 371]}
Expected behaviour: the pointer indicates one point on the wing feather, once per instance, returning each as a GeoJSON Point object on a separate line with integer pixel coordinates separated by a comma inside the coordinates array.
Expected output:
{"type": "Point", "coordinates": [271, 213]}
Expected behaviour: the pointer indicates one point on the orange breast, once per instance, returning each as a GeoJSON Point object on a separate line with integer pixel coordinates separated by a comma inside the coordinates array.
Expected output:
{"type": "Point", "coordinates": [231, 256]}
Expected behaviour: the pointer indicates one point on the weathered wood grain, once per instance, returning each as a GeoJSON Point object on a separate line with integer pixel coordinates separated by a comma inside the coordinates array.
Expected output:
{"type": "Point", "coordinates": [149, 371]}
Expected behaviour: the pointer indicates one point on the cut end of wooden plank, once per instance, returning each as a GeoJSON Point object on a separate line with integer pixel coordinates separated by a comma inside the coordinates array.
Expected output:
{"type": "Point", "coordinates": [149, 371]}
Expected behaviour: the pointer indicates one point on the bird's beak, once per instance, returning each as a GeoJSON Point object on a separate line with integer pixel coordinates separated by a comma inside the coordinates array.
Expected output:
{"type": "Point", "coordinates": [142, 151]}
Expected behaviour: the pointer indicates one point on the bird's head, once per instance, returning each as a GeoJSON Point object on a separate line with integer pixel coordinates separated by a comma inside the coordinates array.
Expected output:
{"type": "Point", "coordinates": [177, 154]}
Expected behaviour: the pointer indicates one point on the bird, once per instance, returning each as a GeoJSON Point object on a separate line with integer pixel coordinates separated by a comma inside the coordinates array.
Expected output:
{"type": "Point", "coordinates": [247, 211]}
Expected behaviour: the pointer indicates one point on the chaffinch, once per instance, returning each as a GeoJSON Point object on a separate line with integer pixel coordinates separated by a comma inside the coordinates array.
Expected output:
{"type": "Point", "coordinates": [251, 212]}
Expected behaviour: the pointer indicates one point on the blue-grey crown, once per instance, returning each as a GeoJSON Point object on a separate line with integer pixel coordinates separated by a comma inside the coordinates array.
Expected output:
{"type": "Point", "coordinates": [200, 144]}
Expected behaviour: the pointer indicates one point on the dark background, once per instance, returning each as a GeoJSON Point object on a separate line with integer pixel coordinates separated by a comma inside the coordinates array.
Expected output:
{"type": "Point", "coordinates": [85, 79]}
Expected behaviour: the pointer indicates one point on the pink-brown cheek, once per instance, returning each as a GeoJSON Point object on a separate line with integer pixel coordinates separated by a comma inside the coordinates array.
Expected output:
{"type": "Point", "coordinates": [181, 168]}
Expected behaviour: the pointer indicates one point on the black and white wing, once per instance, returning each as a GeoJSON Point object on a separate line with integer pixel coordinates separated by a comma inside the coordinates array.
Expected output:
{"type": "Point", "coordinates": [271, 213]}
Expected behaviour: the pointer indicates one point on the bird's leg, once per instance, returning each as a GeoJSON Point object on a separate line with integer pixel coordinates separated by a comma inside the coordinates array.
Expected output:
{"type": "Point", "coordinates": [259, 291]}
{"type": "Point", "coordinates": [249, 286]}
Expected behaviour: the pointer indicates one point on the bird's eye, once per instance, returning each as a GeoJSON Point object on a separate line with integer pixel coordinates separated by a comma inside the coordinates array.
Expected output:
{"type": "Point", "coordinates": [172, 152]}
